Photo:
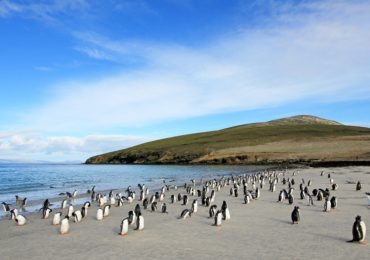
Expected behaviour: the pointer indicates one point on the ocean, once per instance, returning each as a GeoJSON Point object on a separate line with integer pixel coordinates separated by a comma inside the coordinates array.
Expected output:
{"type": "Point", "coordinates": [37, 182]}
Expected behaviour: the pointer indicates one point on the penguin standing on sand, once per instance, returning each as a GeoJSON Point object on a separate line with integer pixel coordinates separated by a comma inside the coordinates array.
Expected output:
{"type": "Point", "coordinates": [64, 226]}
{"type": "Point", "coordinates": [106, 210]}
{"type": "Point", "coordinates": [185, 200]}
{"type": "Point", "coordinates": [63, 204]}
{"type": "Point", "coordinates": [140, 223]}
{"type": "Point", "coordinates": [173, 198]}
{"type": "Point", "coordinates": [124, 227]}
{"type": "Point", "coordinates": [225, 211]}
{"type": "Point", "coordinates": [99, 214]}
{"type": "Point", "coordinates": [333, 202]}
{"type": "Point", "coordinates": [185, 213]}
{"type": "Point", "coordinates": [77, 216]}
{"type": "Point", "coordinates": [358, 231]}
{"type": "Point", "coordinates": [218, 218]}
{"type": "Point", "coordinates": [70, 211]}
{"type": "Point", "coordinates": [327, 205]}
{"type": "Point", "coordinates": [145, 203]}
{"type": "Point", "coordinates": [212, 211]}
{"type": "Point", "coordinates": [131, 217]}
{"type": "Point", "coordinates": [358, 186]}
{"type": "Point", "coordinates": [137, 209]}
{"type": "Point", "coordinates": [57, 218]}
{"type": "Point", "coordinates": [194, 206]}
{"type": "Point", "coordinates": [154, 206]}
{"type": "Point", "coordinates": [164, 208]}
{"type": "Point", "coordinates": [46, 212]}
{"type": "Point", "coordinates": [295, 215]}
{"type": "Point", "coordinates": [13, 214]}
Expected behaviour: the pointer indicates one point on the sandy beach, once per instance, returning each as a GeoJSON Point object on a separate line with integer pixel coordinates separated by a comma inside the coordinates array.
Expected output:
{"type": "Point", "coordinates": [259, 230]}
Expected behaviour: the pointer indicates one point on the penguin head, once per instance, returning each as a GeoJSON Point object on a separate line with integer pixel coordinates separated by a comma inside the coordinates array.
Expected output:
{"type": "Point", "coordinates": [358, 218]}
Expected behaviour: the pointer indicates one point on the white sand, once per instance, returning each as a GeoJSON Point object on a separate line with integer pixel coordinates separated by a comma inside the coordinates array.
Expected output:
{"type": "Point", "coordinates": [259, 230]}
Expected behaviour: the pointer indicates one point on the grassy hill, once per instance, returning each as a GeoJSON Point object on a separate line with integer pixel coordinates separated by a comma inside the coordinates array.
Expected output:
{"type": "Point", "coordinates": [298, 139]}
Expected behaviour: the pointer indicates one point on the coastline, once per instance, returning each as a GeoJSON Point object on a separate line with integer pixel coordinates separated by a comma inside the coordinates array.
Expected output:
{"type": "Point", "coordinates": [261, 229]}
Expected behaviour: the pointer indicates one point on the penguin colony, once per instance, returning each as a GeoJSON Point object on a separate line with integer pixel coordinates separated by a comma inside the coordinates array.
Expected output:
{"type": "Point", "coordinates": [193, 196]}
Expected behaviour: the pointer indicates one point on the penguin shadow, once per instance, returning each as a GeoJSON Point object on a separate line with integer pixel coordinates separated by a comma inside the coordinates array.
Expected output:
{"type": "Point", "coordinates": [282, 221]}
{"type": "Point", "coordinates": [328, 236]}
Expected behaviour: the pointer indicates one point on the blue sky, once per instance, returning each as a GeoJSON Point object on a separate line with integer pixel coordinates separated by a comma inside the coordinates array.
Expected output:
{"type": "Point", "coordinates": [78, 78]}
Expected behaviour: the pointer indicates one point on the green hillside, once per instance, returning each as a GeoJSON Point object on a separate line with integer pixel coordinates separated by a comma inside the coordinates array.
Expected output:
{"type": "Point", "coordinates": [292, 139]}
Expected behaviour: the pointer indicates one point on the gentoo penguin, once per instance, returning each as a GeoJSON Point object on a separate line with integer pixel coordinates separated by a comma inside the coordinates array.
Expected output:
{"type": "Point", "coordinates": [23, 203]}
{"type": "Point", "coordinates": [106, 210]}
{"type": "Point", "coordinates": [185, 200]}
{"type": "Point", "coordinates": [358, 186]}
{"type": "Point", "coordinates": [290, 199]}
{"type": "Point", "coordinates": [333, 202]}
{"type": "Point", "coordinates": [194, 206]}
{"type": "Point", "coordinates": [212, 211]}
{"type": "Point", "coordinates": [56, 218]}
{"type": "Point", "coordinates": [358, 231]}
{"type": "Point", "coordinates": [247, 199]}
{"type": "Point", "coordinates": [63, 204]}
{"type": "Point", "coordinates": [131, 217]}
{"type": "Point", "coordinates": [70, 211]}
{"type": "Point", "coordinates": [154, 206]}
{"type": "Point", "coordinates": [46, 212]}
{"type": "Point", "coordinates": [295, 215]}
{"type": "Point", "coordinates": [145, 203]}
{"type": "Point", "coordinates": [208, 201]}
{"type": "Point", "coordinates": [303, 195]}
{"type": "Point", "coordinates": [218, 218]}
{"type": "Point", "coordinates": [185, 213]}
{"type": "Point", "coordinates": [99, 214]}
{"type": "Point", "coordinates": [327, 205]}
{"type": "Point", "coordinates": [64, 226]}
{"type": "Point", "coordinates": [173, 198]}
{"type": "Point", "coordinates": [124, 227]}
{"type": "Point", "coordinates": [225, 211]}
{"type": "Point", "coordinates": [137, 209]}
{"type": "Point", "coordinates": [164, 208]}
{"type": "Point", "coordinates": [139, 222]}
{"type": "Point", "coordinates": [87, 204]}
{"type": "Point", "coordinates": [368, 198]}
{"type": "Point", "coordinates": [46, 204]}
{"type": "Point", "coordinates": [77, 216]}
{"type": "Point", "coordinates": [334, 186]}
{"type": "Point", "coordinates": [13, 214]}
{"type": "Point", "coordinates": [83, 212]}
{"type": "Point", "coordinates": [20, 220]}
{"type": "Point", "coordinates": [6, 206]}
{"type": "Point", "coordinates": [179, 197]}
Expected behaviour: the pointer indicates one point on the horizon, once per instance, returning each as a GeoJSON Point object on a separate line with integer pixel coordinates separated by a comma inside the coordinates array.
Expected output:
{"type": "Point", "coordinates": [81, 78]}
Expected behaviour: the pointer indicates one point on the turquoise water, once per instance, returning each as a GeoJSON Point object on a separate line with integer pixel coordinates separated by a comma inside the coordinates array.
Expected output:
{"type": "Point", "coordinates": [39, 181]}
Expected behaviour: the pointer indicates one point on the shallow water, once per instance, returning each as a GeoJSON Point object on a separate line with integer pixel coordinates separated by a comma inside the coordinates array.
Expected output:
{"type": "Point", "coordinates": [41, 181]}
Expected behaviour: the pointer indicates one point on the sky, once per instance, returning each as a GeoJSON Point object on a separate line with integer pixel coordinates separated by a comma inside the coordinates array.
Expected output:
{"type": "Point", "coordinates": [84, 77]}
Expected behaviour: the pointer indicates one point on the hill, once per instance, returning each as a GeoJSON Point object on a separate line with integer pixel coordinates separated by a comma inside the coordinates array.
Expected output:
{"type": "Point", "coordinates": [298, 139]}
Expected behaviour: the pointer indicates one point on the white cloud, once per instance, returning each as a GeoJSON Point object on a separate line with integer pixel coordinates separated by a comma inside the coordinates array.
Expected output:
{"type": "Point", "coordinates": [315, 51]}
{"type": "Point", "coordinates": [15, 145]}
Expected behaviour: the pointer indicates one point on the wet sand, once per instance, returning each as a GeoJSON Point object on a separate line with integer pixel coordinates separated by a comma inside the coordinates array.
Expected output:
{"type": "Point", "coordinates": [259, 230]}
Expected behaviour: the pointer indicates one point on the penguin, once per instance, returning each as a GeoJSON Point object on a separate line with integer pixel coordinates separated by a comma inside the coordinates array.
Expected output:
{"type": "Point", "coordinates": [64, 226]}
{"type": "Point", "coordinates": [295, 215]}
{"type": "Point", "coordinates": [77, 216]}
{"type": "Point", "coordinates": [137, 209]}
{"type": "Point", "coordinates": [303, 195]}
{"type": "Point", "coordinates": [46, 204]}
{"type": "Point", "coordinates": [290, 199]}
{"type": "Point", "coordinates": [327, 205]}
{"type": "Point", "coordinates": [106, 210]}
{"type": "Point", "coordinates": [218, 218]}
{"type": "Point", "coordinates": [99, 214]}
{"type": "Point", "coordinates": [46, 212]}
{"type": "Point", "coordinates": [164, 208]}
{"type": "Point", "coordinates": [194, 206]}
{"type": "Point", "coordinates": [56, 218]}
{"type": "Point", "coordinates": [20, 220]}
{"type": "Point", "coordinates": [173, 198]}
{"type": "Point", "coordinates": [334, 186]}
{"type": "Point", "coordinates": [124, 227]}
{"type": "Point", "coordinates": [13, 214]}
{"type": "Point", "coordinates": [185, 213]}
{"type": "Point", "coordinates": [236, 193]}
{"type": "Point", "coordinates": [179, 197]}
{"type": "Point", "coordinates": [145, 203]}
{"type": "Point", "coordinates": [83, 212]}
{"type": "Point", "coordinates": [185, 200]}
{"type": "Point", "coordinates": [154, 206]}
{"type": "Point", "coordinates": [208, 201]}
{"type": "Point", "coordinates": [6, 206]}
{"type": "Point", "coordinates": [212, 211]}
{"type": "Point", "coordinates": [132, 217]}
{"type": "Point", "coordinates": [63, 204]}
{"type": "Point", "coordinates": [139, 223]}
{"type": "Point", "coordinates": [225, 211]}
{"type": "Point", "coordinates": [247, 199]}
{"type": "Point", "coordinates": [23, 203]}
{"type": "Point", "coordinates": [18, 200]}
{"type": "Point", "coordinates": [334, 202]}
{"type": "Point", "coordinates": [70, 211]}
{"type": "Point", "coordinates": [358, 231]}
{"type": "Point", "coordinates": [358, 186]}
{"type": "Point", "coordinates": [319, 195]}
{"type": "Point", "coordinates": [87, 204]}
